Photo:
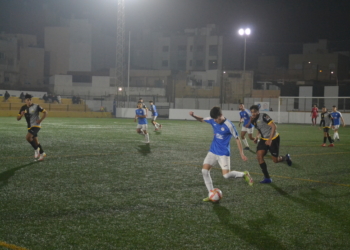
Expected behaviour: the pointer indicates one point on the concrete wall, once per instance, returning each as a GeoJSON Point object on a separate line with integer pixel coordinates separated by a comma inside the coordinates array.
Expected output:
{"type": "Point", "coordinates": [17, 93]}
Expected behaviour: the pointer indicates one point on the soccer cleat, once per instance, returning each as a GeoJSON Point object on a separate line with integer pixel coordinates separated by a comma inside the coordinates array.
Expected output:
{"type": "Point", "coordinates": [41, 158]}
{"type": "Point", "coordinates": [36, 153]}
{"type": "Point", "coordinates": [206, 199]}
{"type": "Point", "coordinates": [323, 145]}
{"type": "Point", "coordinates": [246, 148]}
{"type": "Point", "coordinates": [266, 181]}
{"type": "Point", "coordinates": [331, 145]}
{"type": "Point", "coordinates": [248, 178]}
{"type": "Point", "coordinates": [288, 160]}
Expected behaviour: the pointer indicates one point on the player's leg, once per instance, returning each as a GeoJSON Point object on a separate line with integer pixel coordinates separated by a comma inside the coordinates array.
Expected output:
{"type": "Point", "coordinates": [324, 137]}
{"type": "Point", "coordinates": [330, 139]}
{"type": "Point", "coordinates": [40, 151]}
{"type": "Point", "coordinates": [260, 153]}
{"type": "Point", "coordinates": [335, 134]}
{"type": "Point", "coordinates": [209, 161]}
{"type": "Point", "coordinates": [243, 132]}
{"type": "Point", "coordinates": [30, 138]}
{"type": "Point", "coordinates": [224, 162]}
{"type": "Point", "coordinates": [144, 129]}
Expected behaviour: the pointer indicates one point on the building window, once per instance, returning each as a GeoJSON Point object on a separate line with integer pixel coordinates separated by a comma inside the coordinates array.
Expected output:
{"type": "Point", "coordinates": [6, 79]}
{"type": "Point", "coordinates": [182, 47]}
{"type": "Point", "coordinates": [165, 48]}
{"type": "Point", "coordinates": [212, 64]}
{"type": "Point", "coordinates": [200, 48]}
{"type": "Point", "coordinates": [199, 63]}
{"type": "Point", "coordinates": [211, 83]}
{"type": "Point", "coordinates": [181, 64]}
{"type": "Point", "coordinates": [165, 63]}
{"type": "Point", "coordinates": [213, 50]}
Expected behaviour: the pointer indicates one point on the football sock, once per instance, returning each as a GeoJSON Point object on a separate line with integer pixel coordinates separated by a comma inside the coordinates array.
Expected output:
{"type": "Point", "coordinates": [330, 139]}
{"type": "Point", "coordinates": [156, 125]}
{"type": "Point", "coordinates": [207, 179]}
{"type": "Point", "coordinates": [34, 145]}
{"type": "Point", "coordinates": [245, 142]}
{"type": "Point", "coordinates": [263, 167]}
{"type": "Point", "coordinates": [336, 135]}
{"type": "Point", "coordinates": [283, 158]}
{"type": "Point", "coordinates": [41, 149]}
{"type": "Point", "coordinates": [147, 136]}
{"type": "Point", "coordinates": [233, 174]}
{"type": "Point", "coordinates": [324, 139]}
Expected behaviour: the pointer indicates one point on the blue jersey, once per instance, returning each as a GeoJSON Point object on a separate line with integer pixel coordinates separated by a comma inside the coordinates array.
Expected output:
{"type": "Point", "coordinates": [245, 114]}
{"type": "Point", "coordinates": [141, 112]}
{"type": "Point", "coordinates": [153, 109]}
{"type": "Point", "coordinates": [223, 133]}
{"type": "Point", "coordinates": [336, 117]}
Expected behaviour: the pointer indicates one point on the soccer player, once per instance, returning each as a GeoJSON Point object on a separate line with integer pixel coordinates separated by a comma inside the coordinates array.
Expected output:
{"type": "Point", "coordinates": [141, 115]}
{"type": "Point", "coordinates": [247, 125]}
{"type": "Point", "coordinates": [326, 123]}
{"type": "Point", "coordinates": [153, 109]}
{"type": "Point", "coordinates": [143, 105]}
{"type": "Point", "coordinates": [269, 141]}
{"type": "Point", "coordinates": [336, 115]}
{"type": "Point", "coordinates": [314, 115]}
{"type": "Point", "coordinates": [219, 151]}
{"type": "Point", "coordinates": [31, 113]}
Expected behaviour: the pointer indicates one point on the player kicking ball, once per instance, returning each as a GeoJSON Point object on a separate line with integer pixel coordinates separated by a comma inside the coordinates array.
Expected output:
{"type": "Point", "coordinates": [219, 152]}
{"type": "Point", "coordinates": [141, 116]}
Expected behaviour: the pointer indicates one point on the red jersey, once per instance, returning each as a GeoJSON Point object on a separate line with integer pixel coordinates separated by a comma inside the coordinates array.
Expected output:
{"type": "Point", "coordinates": [314, 111]}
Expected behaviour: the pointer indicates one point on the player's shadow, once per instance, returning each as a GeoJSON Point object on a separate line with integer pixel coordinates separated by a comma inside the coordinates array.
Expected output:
{"type": "Point", "coordinates": [157, 132]}
{"type": "Point", "coordinates": [253, 233]}
{"type": "Point", "coordinates": [5, 176]}
{"type": "Point", "coordinates": [144, 149]}
{"type": "Point", "coordinates": [313, 201]}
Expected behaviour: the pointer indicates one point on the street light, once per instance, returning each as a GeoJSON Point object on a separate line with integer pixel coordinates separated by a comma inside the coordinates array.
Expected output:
{"type": "Point", "coordinates": [245, 33]}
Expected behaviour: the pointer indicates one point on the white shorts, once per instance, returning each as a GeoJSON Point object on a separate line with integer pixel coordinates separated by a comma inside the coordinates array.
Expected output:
{"type": "Point", "coordinates": [142, 126]}
{"type": "Point", "coordinates": [154, 118]}
{"type": "Point", "coordinates": [335, 127]}
{"type": "Point", "coordinates": [223, 160]}
{"type": "Point", "coordinates": [249, 130]}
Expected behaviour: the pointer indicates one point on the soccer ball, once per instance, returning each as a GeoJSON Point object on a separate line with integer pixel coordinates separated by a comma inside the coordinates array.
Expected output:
{"type": "Point", "coordinates": [215, 195]}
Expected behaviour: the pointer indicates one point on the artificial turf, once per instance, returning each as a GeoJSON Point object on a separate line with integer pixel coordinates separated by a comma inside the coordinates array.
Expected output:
{"type": "Point", "coordinates": [102, 187]}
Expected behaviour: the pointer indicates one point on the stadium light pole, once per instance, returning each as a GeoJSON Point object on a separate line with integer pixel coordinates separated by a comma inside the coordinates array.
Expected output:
{"type": "Point", "coordinates": [245, 33]}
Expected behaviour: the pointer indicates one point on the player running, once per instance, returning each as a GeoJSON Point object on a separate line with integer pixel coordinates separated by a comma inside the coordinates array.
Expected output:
{"type": "Point", "coordinates": [219, 151]}
{"type": "Point", "coordinates": [247, 125]}
{"type": "Point", "coordinates": [269, 141]}
{"type": "Point", "coordinates": [326, 123]}
{"type": "Point", "coordinates": [337, 116]}
{"type": "Point", "coordinates": [314, 115]}
{"type": "Point", "coordinates": [31, 113]}
{"type": "Point", "coordinates": [153, 109]}
{"type": "Point", "coordinates": [141, 115]}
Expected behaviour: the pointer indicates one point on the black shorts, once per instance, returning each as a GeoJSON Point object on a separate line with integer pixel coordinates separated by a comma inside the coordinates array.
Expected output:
{"type": "Point", "coordinates": [34, 131]}
{"type": "Point", "coordinates": [273, 149]}
{"type": "Point", "coordinates": [326, 130]}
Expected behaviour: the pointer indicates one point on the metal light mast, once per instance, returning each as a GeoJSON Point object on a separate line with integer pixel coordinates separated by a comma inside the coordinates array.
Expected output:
{"type": "Point", "coordinates": [120, 46]}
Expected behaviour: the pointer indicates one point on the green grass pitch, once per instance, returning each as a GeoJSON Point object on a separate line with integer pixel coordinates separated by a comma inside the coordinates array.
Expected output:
{"type": "Point", "coordinates": [102, 187]}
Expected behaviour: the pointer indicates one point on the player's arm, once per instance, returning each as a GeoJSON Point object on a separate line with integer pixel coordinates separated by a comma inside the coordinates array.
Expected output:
{"type": "Point", "coordinates": [273, 130]}
{"type": "Point", "coordinates": [198, 118]}
{"type": "Point", "coordinates": [240, 149]}
{"type": "Point", "coordinates": [20, 114]}
{"type": "Point", "coordinates": [43, 117]}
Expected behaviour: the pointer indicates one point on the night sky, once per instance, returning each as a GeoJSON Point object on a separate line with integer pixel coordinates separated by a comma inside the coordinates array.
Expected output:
{"type": "Point", "coordinates": [274, 23]}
